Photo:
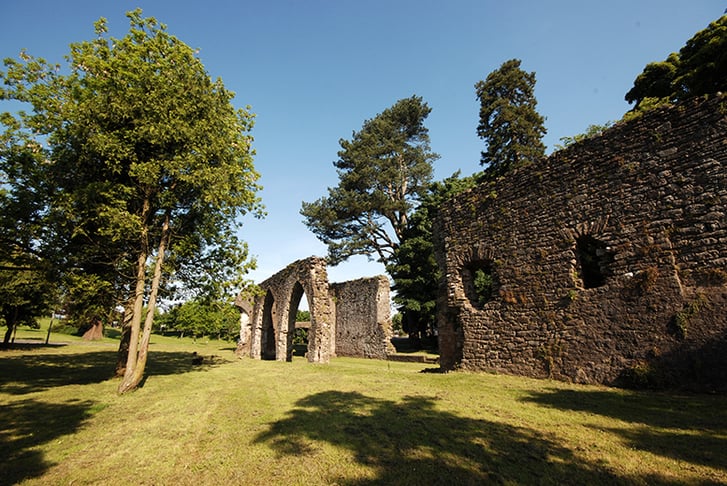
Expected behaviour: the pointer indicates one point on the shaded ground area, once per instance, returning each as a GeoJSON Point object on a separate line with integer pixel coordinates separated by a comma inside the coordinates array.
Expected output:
{"type": "Point", "coordinates": [662, 424]}
{"type": "Point", "coordinates": [410, 441]}
{"type": "Point", "coordinates": [411, 352]}
{"type": "Point", "coordinates": [28, 423]}
{"type": "Point", "coordinates": [36, 372]}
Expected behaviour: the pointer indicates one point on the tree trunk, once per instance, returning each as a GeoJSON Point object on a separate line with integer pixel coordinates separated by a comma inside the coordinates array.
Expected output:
{"type": "Point", "coordinates": [138, 351]}
{"type": "Point", "coordinates": [123, 354]}
{"type": "Point", "coordinates": [8, 335]}
{"type": "Point", "coordinates": [95, 332]}
{"type": "Point", "coordinates": [50, 326]}
{"type": "Point", "coordinates": [11, 328]}
{"type": "Point", "coordinates": [127, 383]}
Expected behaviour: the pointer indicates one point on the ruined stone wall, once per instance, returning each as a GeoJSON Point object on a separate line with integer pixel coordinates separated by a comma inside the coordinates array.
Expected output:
{"type": "Point", "coordinates": [607, 261]}
{"type": "Point", "coordinates": [363, 317]}
{"type": "Point", "coordinates": [274, 314]}
{"type": "Point", "coordinates": [347, 319]}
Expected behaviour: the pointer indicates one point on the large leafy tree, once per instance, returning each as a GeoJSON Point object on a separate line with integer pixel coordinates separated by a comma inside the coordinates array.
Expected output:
{"type": "Point", "coordinates": [382, 171]}
{"type": "Point", "coordinates": [414, 268]}
{"type": "Point", "coordinates": [700, 67]}
{"type": "Point", "coordinates": [146, 164]}
{"type": "Point", "coordinates": [509, 123]}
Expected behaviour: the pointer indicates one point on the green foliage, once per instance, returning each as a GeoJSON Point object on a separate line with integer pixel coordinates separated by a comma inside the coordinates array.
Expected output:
{"type": "Point", "coordinates": [396, 323]}
{"type": "Point", "coordinates": [414, 269]}
{"type": "Point", "coordinates": [484, 285]}
{"type": "Point", "coordinates": [699, 68]}
{"type": "Point", "coordinates": [25, 295]}
{"type": "Point", "coordinates": [382, 171]}
{"type": "Point", "coordinates": [655, 81]}
{"type": "Point", "coordinates": [682, 319]}
{"type": "Point", "coordinates": [591, 131]}
{"type": "Point", "coordinates": [87, 298]}
{"type": "Point", "coordinates": [201, 318]}
{"type": "Point", "coordinates": [300, 337]}
{"type": "Point", "coordinates": [509, 122]}
{"type": "Point", "coordinates": [302, 316]}
{"type": "Point", "coordinates": [135, 157]}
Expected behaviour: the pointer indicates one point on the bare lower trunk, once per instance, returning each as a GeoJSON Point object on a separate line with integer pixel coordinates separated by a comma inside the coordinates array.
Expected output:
{"type": "Point", "coordinates": [127, 383]}
{"type": "Point", "coordinates": [123, 354]}
{"type": "Point", "coordinates": [95, 332]}
{"type": "Point", "coordinates": [8, 335]}
{"type": "Point", "coordinates": [139, 350]}
{"type": "Point", "coordinates": [11, 329]}
{"type": "Point", "coordinates": [50, 326]}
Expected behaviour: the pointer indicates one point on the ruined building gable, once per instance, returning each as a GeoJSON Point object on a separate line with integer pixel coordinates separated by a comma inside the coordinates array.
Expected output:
{"type": "Point", "coordinates": [609, 257]}
{"type": "Point", "coordinates": [347, 319]}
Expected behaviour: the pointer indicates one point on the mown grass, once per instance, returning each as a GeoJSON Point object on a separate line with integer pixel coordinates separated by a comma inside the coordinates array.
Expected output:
{"type": "Point", "coordinates": [353, 421]}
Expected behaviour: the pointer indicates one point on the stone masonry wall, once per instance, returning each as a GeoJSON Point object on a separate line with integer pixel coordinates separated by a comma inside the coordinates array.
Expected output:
{"type": "Point", "coordinates": [608, 261]}
{"type": "Point", "coordinates": [273, 321]}
{"type": "Point", "coordinates": [363, 317]}
{"type": "Point", "coordinates": [347, 319]}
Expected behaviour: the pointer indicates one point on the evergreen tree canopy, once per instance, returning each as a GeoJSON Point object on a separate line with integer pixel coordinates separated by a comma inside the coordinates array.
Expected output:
{"type": "Point", "coordinates": [414, 268]}
{"type": "Point", "coordinates": [382, 171]}
{"type": "Point", "coordinates": [509, 122]}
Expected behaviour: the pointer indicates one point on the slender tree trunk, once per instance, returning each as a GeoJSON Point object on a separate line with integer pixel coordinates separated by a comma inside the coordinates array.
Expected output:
{"type": "Point", "coordinates": [50, 325]}
{"type": "Point", "coordinates": [151, 309]}
{"type": "Point", "coordinates": [8, 334]}
{"type": "Point", "coordinates": [138, 353]}
{"type": "Point", "coordinates": [11, 328]}
{"type": "Point", "coordinates": [127, 383]}
{"type": "Point", "coordinates": [123, 353]}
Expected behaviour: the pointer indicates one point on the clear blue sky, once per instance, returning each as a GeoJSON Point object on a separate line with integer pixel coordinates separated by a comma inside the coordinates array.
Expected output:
{"type": "Point", "coordinates": [313, 71]}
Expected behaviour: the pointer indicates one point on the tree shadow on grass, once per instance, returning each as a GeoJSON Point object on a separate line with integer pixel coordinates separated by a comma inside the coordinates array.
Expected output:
{"type": "Point", "coordinates": [690, 428]}
{"type": "Point", "coordinates": [27, 424]}
{"type": "Point", "coordinates": [410, 442]}
{"type": "Point", "coordinates": [33, 372]}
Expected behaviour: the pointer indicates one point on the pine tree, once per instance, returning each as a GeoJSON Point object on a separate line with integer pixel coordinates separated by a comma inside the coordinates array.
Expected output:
{"type": "Point", "coordinates": [509, 123]}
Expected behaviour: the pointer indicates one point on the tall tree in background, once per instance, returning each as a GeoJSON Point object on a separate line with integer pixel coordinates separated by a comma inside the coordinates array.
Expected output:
{"type": "Point", "coordinates": [414, 267]}
{"type": "Point", "coordinates": [699, 68]}
{"type": "Point", "coordinates": [509, 122]}
{"type": "Point", "coordinates": [382, 171]}
{"type": "Point", "coordinates": [146, 161]}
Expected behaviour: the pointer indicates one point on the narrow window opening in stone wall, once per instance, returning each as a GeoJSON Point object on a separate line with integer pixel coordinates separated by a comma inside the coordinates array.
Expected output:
{"type": "Point", "coordinates": [595, 258]}
{"type": "Point", "coordinates": [480, 282]}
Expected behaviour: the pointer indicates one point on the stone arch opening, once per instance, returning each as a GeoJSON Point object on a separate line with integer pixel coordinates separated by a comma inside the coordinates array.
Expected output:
{"type": "Point", "coordinates": [595, 259]}
{"type": "Point", "coordinates": [354, 314]}
{"type": "Point", "coordinates": [297, 334]}
{"type": "Point", "coordinates": [268, 340]}
{"type": "Point", "coordinates": [480, 282]}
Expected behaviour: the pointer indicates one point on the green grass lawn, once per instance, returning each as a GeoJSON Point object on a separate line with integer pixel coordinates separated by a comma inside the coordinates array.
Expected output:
{"type": "Point", "coordinates": [353, 421]}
